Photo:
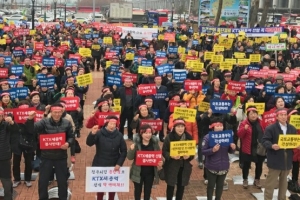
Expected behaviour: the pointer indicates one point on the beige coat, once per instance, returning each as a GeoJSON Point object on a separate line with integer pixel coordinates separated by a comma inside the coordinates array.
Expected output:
{"type": "Point", "coordinates": [69, 118]}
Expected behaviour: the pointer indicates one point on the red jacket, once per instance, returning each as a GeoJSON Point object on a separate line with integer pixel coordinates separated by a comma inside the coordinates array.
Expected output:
{"type": "Point", "coordinates": [246, 135]}
{"type": "Point", "coordinates": [296, 156]}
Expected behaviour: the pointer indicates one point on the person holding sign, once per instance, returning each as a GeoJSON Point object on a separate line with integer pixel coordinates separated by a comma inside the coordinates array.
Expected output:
{"type": "Point", "coordinates": [216, 158]}
{"type": "Point", "coordinates": [53, 154]}
{"type": "Point", "coordinates": [177, 168]}
{"type": "Point", "coordinates": [142, 113]}
{"type": "Point", "coordinates": [144, 174]}
{"type": "Point", "coordinates": [250, 133]}
{"type": "Point", "coordinates": [111, 149]}
{"type": "Point", "coordinates": [279, 160]}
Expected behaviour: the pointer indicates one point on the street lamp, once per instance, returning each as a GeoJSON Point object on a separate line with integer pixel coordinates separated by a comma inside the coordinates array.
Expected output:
{"type": "Point", "coordinates": [32, 15]}
{"type": "Point", "coordinates": [172, 15]}
{"type": "Point", "coordinates": [55, 1]}
{"type": "Point", "coordinates": [274, 8]}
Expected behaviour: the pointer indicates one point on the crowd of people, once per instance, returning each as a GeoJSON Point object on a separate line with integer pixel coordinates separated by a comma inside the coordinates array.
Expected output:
{"type": "Point", "coordinates": [43, 97]}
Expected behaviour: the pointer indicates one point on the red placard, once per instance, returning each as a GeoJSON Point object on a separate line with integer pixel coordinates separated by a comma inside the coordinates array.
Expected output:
{"type": "Point", "coordinates": [155, 124]}
{"type": "Point", "coordinates": [38, 115]}
{"type": "Point", "coordinates": [59, 62]}
{"type": "Point", "coordinates": [77, 41]}
{"type": "Point", "coordinates": [21, 115]}
{"type": "Point", "coordinates": [3, 72]}
{"type": "Point", "coordinates": [173, 104]}
{"type": "Point", "coordinates": [8, 111]}
{"type": "Point", "coordinates": [169, 36]}
{"type": "Point", "coordinates": [236, 86]}
{"type": "Point", "coordinates": [268, 118]}
{"type": "Point", "coordinates": [160, 60]}
{"type": "Point", "coordinates": [146, 89]}
{"type": "Point", "coordinates": [89, 43]}
{"type": "Point", "coordinates": [193, 85]}
{"type": "Point", "coordinates": [142, 52]}
{"type": "Point", "coordinates": [109, 55]}
{"type": "Point", "coordinates": [73, 56]}
{"type": "Point", "coordinates": [258, 74]}
{"type": "Point", "coordinates": [39, 45]}
{"type": "Point", "coordinates": [191, 58]}
{"type": "Point", "coordinates": [287, 77]}
{"type": "Point", "coordinates": [148, 158]}
{"type": "Point", "coordinates": [37, 58]}
{"type": "Point", "coordinates": [102, 116]}
{"type": "Point", "coordinates": [133, 77]}
{"type": "Point", "coordinates": [72, 103]}
{"type": "Point", "coordinates": [52, 141]}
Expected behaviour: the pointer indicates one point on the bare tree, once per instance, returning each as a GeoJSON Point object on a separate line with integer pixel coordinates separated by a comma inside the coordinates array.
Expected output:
{"type": "Point", "coordinates": [264, 16]}
{"type": "Point", "coordinates": [218, 15]}
{"type": "Point", "coordinates": [253, 12]}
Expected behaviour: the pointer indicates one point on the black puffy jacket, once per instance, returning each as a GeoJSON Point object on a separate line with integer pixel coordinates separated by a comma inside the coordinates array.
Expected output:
{"type": "Point", "coordinates": [49, 126]}
{"type": "Point", "coordinates": [111, 149]}
{"type": "Point", "coordinates": [5, 139]}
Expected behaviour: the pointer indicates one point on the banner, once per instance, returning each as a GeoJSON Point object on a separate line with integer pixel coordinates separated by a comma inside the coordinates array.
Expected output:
{"type": "Point", "coordinates": [71, 62]}
{"type": "Point", "coordinates": [146, 62]}
{"type": "Point", "coordinates": [157, 125]}
{"type": "Point", "coordinates": [106, 179]}
{"type": "Point", "coordinates": [183, 148]}
{"type": "Point", "coordinates": [288, 98]}
{"type": "Point", "coordinates": [146, 89]}
{"type": "Point", "coordinates": [164, 69]}
{"type": "Point", "coordinates": [188, 114]}
{"type": "Point", "coordinates": [52, 141]}
{"type": "Point", "coordinates": [223, 138]}
{"type": "Point", "coordinates": [289, 141]}
{"type": "Point", "coordinates": [221, 106]}
{"type": "Point", "coordinates": [270, 88]}
{"type": "Point", "coordinates": [139, 33]}
{"type": "Point", "coordinates": [268, 118]}
{"type": "Point", "coordinates": [148, 158]}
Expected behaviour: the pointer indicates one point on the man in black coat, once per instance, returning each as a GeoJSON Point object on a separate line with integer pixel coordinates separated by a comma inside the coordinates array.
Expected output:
{"type": "Point", "coordinates": [56, 136]}
{"type": "Point", "coordinates": [6, 125]}
{"type": "Point", "coordinates": [279, 158]}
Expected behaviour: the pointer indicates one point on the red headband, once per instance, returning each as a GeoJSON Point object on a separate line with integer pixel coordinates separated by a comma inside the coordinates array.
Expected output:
{"type": "Point", "coordinates": [105, 90]}
{"type": "Point", "coordinates": [110, 120]}
{"type": "Point", "coordinates": [3, 82]}
{"type": "Point", "coordinates": [101, 103]}
{"type": "Point", "coordinates": [141, 106]}
{"type": "Point", "coordinates": [56, 108]}
{"type": "Point", "coordinates": [251, 109]}
{"type": "Point", "coordinates": [215, 124]}
{"type": "Point", "coordinates": [214, 80]}
{"type": "Point", "coordinates": [24, 106]}
{"type": "Point", "coordinates": [281, 112]}
{"type": "Point", "coordinates": [5, 94]}
{"type": "Point", "coordinates": [179, 121]}
{"type": "Point", "coordinates": [69, 90]}
{"type": "Point", "coordinates": [292, 112]}
{"type": "Point", "coordinates": [148, 130]}
{"type": "Point", "coordinates": [148, 100]}
{"type": "Point", "coordinates": [127, 80]}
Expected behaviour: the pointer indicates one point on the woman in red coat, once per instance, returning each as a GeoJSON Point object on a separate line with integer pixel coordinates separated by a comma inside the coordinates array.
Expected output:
{"type": "Point", "coordinates": [251, 132]}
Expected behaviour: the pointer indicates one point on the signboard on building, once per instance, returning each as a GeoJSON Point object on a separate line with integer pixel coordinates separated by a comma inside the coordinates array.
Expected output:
{"type": "Point", "coordinates": [120, 10]}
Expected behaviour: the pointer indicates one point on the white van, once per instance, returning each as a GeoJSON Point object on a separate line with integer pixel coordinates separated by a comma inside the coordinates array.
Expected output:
{"type": "Point", "coordinates": [98, 17]}
{"type": "Point", "coordinates": [298, 20]}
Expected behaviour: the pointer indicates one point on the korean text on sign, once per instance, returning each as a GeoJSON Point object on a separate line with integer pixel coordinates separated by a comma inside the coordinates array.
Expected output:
{"type": "Point", "coordinates": [148, 158]}
{"type": "Point", "coordinates": [105, 179]}
{"type": "Point", "coordinates": [188, 114]}
{"type": "Point", "coordinates": [221, 106]}
{"type": "Point", "coordinates": [183, 148]}
{"type": "Point", "coordinates": [52, 141]}
{"type": "Point", "coordinates": [85, 79]}
{"type": "Point", "coordinates": [224, 138]}
{"type": "Point", "coordinates": [289, 141]}
{"type": "Point", "coordinates": [295, 121]}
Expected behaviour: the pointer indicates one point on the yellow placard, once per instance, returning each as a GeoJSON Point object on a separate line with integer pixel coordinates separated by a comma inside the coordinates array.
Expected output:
{"type": "Point", "coordinates": [197, 66]}
{"type": "Point", "coordinates": [161, 37]}
{"type": "Point", "coordinates": [293, 40]}
{"type": "Point", "coordinates": [145, 70]}
{"type": "Point", "coordinates": [295, 121]}
{"type": "Point", "coordinates": [255, 58]}
{"type": "Point", "coordinates": [190, 53]}
{"type": "Point", "coordinates": [226, 66]}
{"type": "Point", "coordinates": [108, 63]}
{"type": "Point", "coordinates": [208, 55]}
{"type": "Point", "coordinates": [183, 57]}
{"type": "Point", "coordinates": [217, 59]}
{"type": "Point", "coordinates": [183, 148]}
{"type": "Point", "coordinates": [1, 26]}
{"type": "Point", "coordinates": [259, 106]}
{"type": "Point", "coordinates": [183, 37]}
{"type": "Point", "coordinates": [85, 79]}
{"type": "Point", "coordinates": [181, 50]}
{"type": "Point", "coordinates": [107, 40]}
{"type": "Point", "coordinates": [116, 108]}
{"type": "Point", "coordinates": [129, 56]}
{"type": "Point", "coordinates": [244, 61]}
{"type": "Point", "coordinates": [85, 52]}
{"type": "Point", "coordinates": [218, 48]}
{"type": "Point", "coordinates": [189, 63]}
{"type": "Point", "coordinates": [117, 102]}
{"type": "Point", "coordinates": [242, 33]}
{"type": "Point", "coordinates": [283, 36]}
{"type": "Point", "coordinates": [231, 36]}
{"type": "Point", "coordinates": [2, 41]}
{"type": "Point", "coordinates": [145, 26]}
{"type": "Point", "coordinates": [155, 26]}
{"type": "Point", "coordinates": [289, 141]}
{"type": "Point", "coordinates": [188, 114]}
{"type": "Point", "coordinates": [96, 47]}
{"type": "Point", "coordinates": [32, 32]}
{"type": "Point", "coordinates": [274, 40]}
{"type": "Point", "coordinates": [64, 43]}
{"type": "Point", "coordinates": [203, 106]}
{"type": "Point", "coordinates": [230, 60]}
{"type": "Point", "coordinates": [239, 55]}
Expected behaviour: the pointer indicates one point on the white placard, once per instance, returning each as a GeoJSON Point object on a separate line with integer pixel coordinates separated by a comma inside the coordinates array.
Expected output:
{"type": "Point", "coordinates": [139, 33]}
{"type": "Point", "coordinates": [105, 179]}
